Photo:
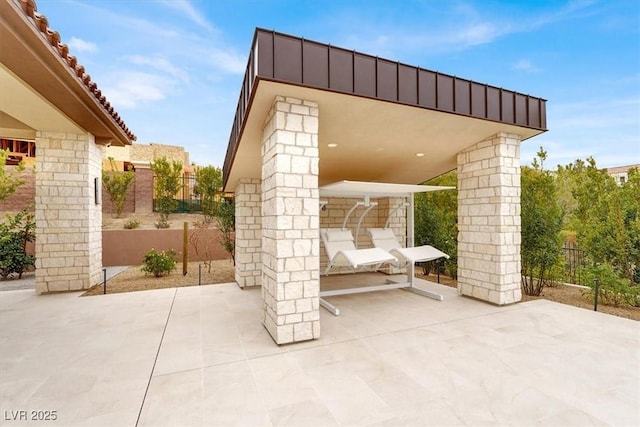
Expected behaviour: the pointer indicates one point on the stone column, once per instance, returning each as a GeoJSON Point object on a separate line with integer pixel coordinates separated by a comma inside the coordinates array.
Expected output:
{"type": "Point", "coordinates": [290, 221]}
{"type": "Point", "coordinates": [489, 220]}
{"type": "Point", "coordinates": [68, 220]}
{"type": "Point", "coordinates": [248, 233]}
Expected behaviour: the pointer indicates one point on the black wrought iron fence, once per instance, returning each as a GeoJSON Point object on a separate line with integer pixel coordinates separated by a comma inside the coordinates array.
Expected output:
{"type": "Point", "coordinates": [574, 258]}
{"type": "Point", "coordinates": [187, 199]}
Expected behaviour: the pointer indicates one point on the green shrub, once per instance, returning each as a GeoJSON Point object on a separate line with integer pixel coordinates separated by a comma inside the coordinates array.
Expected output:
{"type": "Point", "coordinates": [167, 183]}
{"type": "Point", "coordinates": [131, 224]}
{"type": "Point", "coordinates": [117, 183]}
{"type": "Point", "coordinates": [613, 289]}
{"type": "Point", "coordinates": [162, 224]}
{"type": "Point", "coordinates": [159, 263]}
{"type": "Point", "coordinates": [15, 232]}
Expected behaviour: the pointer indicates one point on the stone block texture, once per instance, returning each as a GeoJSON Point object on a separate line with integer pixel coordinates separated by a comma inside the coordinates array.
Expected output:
{"type": "Point", "coordinates": [290, 237]}
{"type": "Point", "coordinates": [248, 205]}
{"type": "Point", "coordinates": [489, 220]}
{"type": "Point", "coordinates": [68, 219]}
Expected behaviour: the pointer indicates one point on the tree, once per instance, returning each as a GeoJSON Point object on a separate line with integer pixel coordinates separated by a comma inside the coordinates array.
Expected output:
{"type": "Point", "coordinates": [167, 184]}
{"type": "Point", "coordinates": [15, 232]}
{"type": "Point", "coordinates": [604, 216]}
{"type": "Point", "coordinates": [9, 182]}
{"type": "Point", "coordinates": [208, 185]}
{"type": "Point", "coordinates": [541, 217]}
{"type": "Point", "coordinates": [116, 183]}
{"type": "Point", "coordinates": [226, 218]}
{"type": "Point", "coordinates": [436, 215]}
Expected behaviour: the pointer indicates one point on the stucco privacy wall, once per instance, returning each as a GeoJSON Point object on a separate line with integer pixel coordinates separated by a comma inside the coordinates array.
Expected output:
{"type": "Point", "coordinates": [68, 221]}
{"type": "Point", "coordinates": [248, 245]}
{"type": "Point", "coordinates": [489, 220]}
{"type": "Point", "coordinates": [290, 238]}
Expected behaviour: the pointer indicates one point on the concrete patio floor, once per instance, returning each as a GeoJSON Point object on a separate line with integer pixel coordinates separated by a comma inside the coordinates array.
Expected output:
{"type": "Point", "coordinates": [199, 356]}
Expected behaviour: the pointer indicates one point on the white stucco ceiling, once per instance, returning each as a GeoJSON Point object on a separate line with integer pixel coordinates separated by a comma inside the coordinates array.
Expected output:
{"type": "Point", "coordinates": [376, 141]}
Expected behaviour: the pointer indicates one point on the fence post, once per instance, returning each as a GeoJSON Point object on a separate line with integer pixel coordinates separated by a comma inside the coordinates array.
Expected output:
{"type": "Point", "coordinates": [185, 248]}
{"type": "Point", "coordinates": [595, 303]}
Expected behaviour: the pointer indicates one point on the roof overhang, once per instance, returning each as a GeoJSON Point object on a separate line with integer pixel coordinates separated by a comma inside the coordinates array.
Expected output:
{"type": "Point", "coordinates": [389, 122]}
{"type": "Point", "coordinates": [43, 88]}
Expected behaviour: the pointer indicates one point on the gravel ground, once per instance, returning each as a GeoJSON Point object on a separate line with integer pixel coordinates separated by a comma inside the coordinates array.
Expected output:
{"type": "Point", "coordinates": [562, 294]}
{"type": "Point", "coordinates": [133, 279]}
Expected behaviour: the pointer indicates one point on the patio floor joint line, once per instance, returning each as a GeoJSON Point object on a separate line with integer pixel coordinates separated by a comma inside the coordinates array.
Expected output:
{"type": "Point", "coordinates": [155, 360]}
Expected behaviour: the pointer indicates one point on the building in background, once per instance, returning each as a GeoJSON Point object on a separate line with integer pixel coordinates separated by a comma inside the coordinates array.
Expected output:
{"type": "Point", "coordinates": [621, 173]}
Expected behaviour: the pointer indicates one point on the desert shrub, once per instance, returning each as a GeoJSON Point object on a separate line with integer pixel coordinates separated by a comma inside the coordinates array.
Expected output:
{"type": "Point", "coordinates": [159, 263]}
{"type": "Point", "coordinates": [613, 289]}
{"type": "Point", "coordinates": [9, 182]}
{"type": "Point", "coordinates": [117, 183]}
{"type": "Point", "coordinates": [226, 218]}
{"type": "Point", "coordinates": [542, 218]}
{"type": "Point", "coordinates": [132, 224]}
{"type": "Point", "coordinates": [208, 185]}
{"type": "Point", "coordinates": [15, 232]}
{"type": "Point", "coordinates": [162, 224]}
{"type": "Point", "coordinates": [167, 184]}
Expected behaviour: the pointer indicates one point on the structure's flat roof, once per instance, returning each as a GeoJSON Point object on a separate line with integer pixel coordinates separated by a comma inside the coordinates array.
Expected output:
{"type": "Point", "coordinates": [375, 189]}
{"type": "Point", "coordinates": [378, 111]}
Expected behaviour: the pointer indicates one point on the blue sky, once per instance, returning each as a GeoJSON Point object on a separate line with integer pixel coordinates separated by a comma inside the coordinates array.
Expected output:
{"type": "Point", "coordinates": [173, 68]}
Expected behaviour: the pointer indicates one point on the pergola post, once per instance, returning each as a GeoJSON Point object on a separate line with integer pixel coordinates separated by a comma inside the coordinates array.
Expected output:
{"type": "Point", "coordinates": [68, 212]}
{"type": "Point", "coordinates": [489, 220]}
{"type": "Point", "coordinates": [290, 221]}
{"type": "Point", "coordinates": [248, 243]}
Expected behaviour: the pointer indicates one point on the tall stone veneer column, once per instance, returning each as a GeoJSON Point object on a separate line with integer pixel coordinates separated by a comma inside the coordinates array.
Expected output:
{"type": "Point", "coordinates": [290, 221]}
{"type": "Point", "coordinates": [248, 196]}
{"type": "Point", "coordinates": [68, 220]}
{"type": "Point", "coordinates": [489, 220]}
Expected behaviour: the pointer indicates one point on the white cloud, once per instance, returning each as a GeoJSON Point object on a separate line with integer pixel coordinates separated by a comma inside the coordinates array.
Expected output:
{"type": "Point", "coordinates": [161, 64]}
{"type": "Point", "coordinates": [79, 45]}
{"type": "Point", "coordinates": [227, 60]}
{"type": "Point", "coordinates": [454, 27]}
{"type": "Point", "coordinates": [189, 11]}
{"type": "Point", "coordinates": [130, 89]}
{"type": "Point", "coordinates": [607, 130]}
{"type": "Point", "coordinates": [525, 65]}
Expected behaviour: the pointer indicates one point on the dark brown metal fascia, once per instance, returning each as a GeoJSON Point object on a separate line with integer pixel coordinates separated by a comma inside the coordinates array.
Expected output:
{"type": "Point", "coordinates": [241, 113]}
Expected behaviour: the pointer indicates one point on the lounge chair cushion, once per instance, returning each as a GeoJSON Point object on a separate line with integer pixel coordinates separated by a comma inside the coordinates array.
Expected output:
{"type": "Point", "coordinates": [384, 238]}
{"type": "Point", "coordinates": [342, 251]}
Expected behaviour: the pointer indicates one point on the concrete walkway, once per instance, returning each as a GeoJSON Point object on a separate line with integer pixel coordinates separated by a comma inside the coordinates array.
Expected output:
{"type": "Point", "coordinates": [199, 356]}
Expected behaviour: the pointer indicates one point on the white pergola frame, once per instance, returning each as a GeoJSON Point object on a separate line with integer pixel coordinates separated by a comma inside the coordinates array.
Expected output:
{"type": "Point", "coordinates": [367, 191]}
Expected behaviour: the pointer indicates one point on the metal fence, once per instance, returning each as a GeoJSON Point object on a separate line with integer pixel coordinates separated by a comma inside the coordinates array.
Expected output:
{"type": "Point", "coordinates": [574, 258]}
{"type": "Point", "coordinates": [187, 200]}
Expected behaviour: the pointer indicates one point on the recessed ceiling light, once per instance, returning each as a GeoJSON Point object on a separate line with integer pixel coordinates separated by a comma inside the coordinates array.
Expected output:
{"type": "Point", "coordinates": [419, 154]}
{"type": "Point", "coordinates": [332, 145]}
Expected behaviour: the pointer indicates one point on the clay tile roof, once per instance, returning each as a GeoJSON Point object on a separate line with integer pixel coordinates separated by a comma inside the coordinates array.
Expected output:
{"type": "Point", "coordinates": [53, 37]}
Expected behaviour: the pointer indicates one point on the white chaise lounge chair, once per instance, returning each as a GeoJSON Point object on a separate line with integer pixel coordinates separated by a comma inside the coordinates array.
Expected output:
{"type": "Point", "coordinates": [342, 252]}
{"type": "Point", "coordinates": [384, 238]}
